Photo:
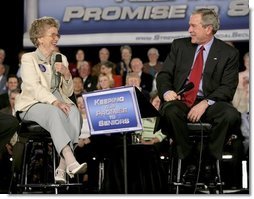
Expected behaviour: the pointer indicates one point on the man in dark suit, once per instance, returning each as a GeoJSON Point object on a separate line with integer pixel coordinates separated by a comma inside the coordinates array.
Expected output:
{"type": "Point", "coordinates": [9, 125]}
{"type": "Point", "coordinates": [11, 84]}
{"type": "Point", "coordinates": [215, 91]}
{"type": "Point", "coordinates": [146, 79]}
{"type": "Point", "coordinates": [89, 80]}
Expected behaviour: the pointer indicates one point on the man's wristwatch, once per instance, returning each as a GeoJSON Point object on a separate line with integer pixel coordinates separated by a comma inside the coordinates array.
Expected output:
{"type": "Point", "coordinates": [210, 102]}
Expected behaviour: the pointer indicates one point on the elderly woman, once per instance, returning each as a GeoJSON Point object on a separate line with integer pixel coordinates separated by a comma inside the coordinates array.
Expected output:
{"type": "Point", "coordinates": [46, 87]}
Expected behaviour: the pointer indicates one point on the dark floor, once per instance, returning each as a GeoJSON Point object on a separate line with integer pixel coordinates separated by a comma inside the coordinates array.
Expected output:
{"type": "Point", "coordinates": [231, 178]}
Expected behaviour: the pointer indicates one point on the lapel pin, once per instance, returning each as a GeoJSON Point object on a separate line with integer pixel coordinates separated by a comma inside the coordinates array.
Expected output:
{"type": "Point", "coordinates": [215, 58]}
{"type": "Point", "coordinates": [42, 67]}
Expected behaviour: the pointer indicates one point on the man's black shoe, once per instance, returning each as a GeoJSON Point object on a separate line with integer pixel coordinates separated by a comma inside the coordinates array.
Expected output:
{"type": "Point", "coordinates": [189, 176]}
{"type": "Point", "coordinates": [208, 175]}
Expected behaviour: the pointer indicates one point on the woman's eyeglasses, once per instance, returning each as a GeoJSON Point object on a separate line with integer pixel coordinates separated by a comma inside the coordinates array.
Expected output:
{"type": "Point", "coordinates": [54, 35]}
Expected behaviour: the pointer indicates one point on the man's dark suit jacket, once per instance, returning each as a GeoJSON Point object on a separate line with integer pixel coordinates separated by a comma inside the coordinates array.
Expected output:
{"type": "Point", "coordinates": [90, 83]}
{"type": "Point", "coordinates": [220, 76]}
{"type": "Point", "coordinates": [4, 100]}
{"type": "Point", "coordinates": [146, 81]}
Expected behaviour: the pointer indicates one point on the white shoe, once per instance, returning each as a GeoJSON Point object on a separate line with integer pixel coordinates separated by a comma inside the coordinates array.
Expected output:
{"type": "Point", "coordinates": [60, 176]}
{"type": "Point", "coordinates": [78, 169]}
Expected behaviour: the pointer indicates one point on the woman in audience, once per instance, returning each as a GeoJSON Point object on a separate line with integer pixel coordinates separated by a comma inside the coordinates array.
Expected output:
{"type": "Point", "coordinates": [107, 68]}
{"type": "Point", "coordinates": [104, 82]}
{"type": "Point", "coordinates": [124, 67]}
{"type": "Point", "coordinates": [241, 98]}
{"type": "Point", "coordinates": [153, 66]}
{"type": "Point", "coordinates": [80, 58]}
{"type": "Point", "coordinates": [103, 57]}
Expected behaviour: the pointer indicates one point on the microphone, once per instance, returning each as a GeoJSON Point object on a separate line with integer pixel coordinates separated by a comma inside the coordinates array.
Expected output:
{"type": "Point", "coordinates": [58, 59]}
{"type": "Point", "coordinates": [186, 88]}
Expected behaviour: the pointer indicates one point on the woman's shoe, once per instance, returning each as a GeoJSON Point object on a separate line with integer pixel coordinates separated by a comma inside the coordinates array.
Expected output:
{"type": "Point", "coordinates": [76, 169]}
{"type": "Point", "coordinates": [60, 176]}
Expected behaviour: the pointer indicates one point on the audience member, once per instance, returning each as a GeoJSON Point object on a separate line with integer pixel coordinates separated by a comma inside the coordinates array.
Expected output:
{"type": "Point", "coordinates": [19, 64]}
{"type": "Point", "coordinates": [11, 84]}
{"type": "Point", "coordinates": [124, 67]}
{"type": "Point", "coordinates": [3, 79]}
{"type": "Point", "coordinates": [104, 82]}
{"type": "Point", "coordinates": [10, 109]}
{"type": "Point", "coordinates": [103, 57]}
{"type": "Point", "coordinates": [89, 80]}
{"type": "Point", "coordinates": [241, 102]}
{"type": "Point", "coordinates": [108, 69]}
{"type": "Point", "coordinates": [44, 99]}
{"type": "Point", "coordinates": [153, 66]}
{"type": "Point", "coordinates": [133, 79]}
{"type": "Point", "coordinates": [80, 58]}
{"type": "Point", "coordinates": [9, 125]}
{"type": "Point", "coordinates": [146, 79]}
{"type": "Point", "coordinates": [85, 131]}
{"type": "Point", "coordinates": [78, 87]}
{"type": "Point", "coordinates": [2, 59]}
{"type": "Point", "coordinates": [154, 87]}
{"type": "Point", "coordinates": [241, 98]}
{"type": "Point", "coordinates": [84, 153]}
{"type": "Point", "coordinates": [147, 134]}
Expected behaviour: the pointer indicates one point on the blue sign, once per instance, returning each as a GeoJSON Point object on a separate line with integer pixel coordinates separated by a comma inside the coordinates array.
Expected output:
{"type": "Point", "coordinates": [134, 21]}
{"type": "Point", "coordinates": [113, 110]}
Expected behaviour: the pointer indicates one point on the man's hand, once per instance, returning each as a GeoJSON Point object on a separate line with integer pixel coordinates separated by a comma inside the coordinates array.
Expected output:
{"type": "Point", "coordinates": [197, 111]}
{"type": "Point", "coordinates": [171, 95]}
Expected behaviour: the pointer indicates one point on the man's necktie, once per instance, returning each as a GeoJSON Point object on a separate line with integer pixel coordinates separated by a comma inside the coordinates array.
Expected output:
{"type": "Point", "coordinates": [190, 96]}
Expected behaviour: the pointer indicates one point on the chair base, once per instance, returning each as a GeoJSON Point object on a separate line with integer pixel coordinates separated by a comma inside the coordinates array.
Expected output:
{"type": "Point", "coordinates": [24, 177]}
{"type": "Point", "coordinates": [178, 184]}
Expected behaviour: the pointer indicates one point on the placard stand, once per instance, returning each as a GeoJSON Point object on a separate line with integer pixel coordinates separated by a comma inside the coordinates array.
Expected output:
{"type": "Point", "coordinates": [125, 164]}
{"type": "Point", "coordinates": [127, 105]}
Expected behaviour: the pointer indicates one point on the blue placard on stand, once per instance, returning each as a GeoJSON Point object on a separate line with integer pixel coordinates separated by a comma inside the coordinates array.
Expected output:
{"type": "Point", "coordinates": [112, 111]}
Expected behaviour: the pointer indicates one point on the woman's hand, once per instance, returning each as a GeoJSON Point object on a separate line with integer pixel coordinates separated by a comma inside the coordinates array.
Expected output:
{"type": "Point", "coordinates": [60, 68]}
{"type": "Point", "coordinates": [63, 106]}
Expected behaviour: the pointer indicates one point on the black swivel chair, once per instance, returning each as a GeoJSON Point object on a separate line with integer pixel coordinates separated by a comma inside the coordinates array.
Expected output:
{"type": "Point", "coordinates": [198, 134]}
{"type": "Point", "coordinates": [35, 150]}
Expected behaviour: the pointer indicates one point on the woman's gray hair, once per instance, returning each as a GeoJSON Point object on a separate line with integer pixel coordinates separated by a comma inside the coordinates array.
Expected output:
{"type": "Point", "coordinates": [126, 47]}
{"type": "Point", "coordinates": [153, 50]}
{"type": "Point", "coordinates": [209, 17]}
{"type": "Point", "coordinates": [39, 26]}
